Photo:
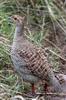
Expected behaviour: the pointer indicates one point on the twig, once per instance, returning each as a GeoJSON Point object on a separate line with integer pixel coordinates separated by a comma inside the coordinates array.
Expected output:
{"type": "Point", "coordinates": [57, 55]}
{"type": "Point", "coordinates": [56, 94]}
{"type": "Point", "coordinates": [32, 3]}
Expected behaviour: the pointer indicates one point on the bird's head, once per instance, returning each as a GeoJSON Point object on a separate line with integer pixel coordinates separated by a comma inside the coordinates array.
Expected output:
{"type": "Point", "coordinates": [17, 19]}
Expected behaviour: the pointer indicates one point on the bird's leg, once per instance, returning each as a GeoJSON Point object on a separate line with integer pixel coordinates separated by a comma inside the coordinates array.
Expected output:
{"type": "Point", "coordinates": [45, 89]}
{"type": "Point", "coordinates": [32, 93]}
{"type": "Point", "coordinates": [33, 89]}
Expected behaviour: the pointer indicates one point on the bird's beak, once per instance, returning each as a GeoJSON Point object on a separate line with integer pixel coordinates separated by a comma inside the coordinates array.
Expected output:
{"type": "Point", "coordinates": [10, 18]}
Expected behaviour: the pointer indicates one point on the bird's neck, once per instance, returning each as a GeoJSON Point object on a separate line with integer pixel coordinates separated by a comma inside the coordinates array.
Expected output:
{"type": "Point", "coordinates": [19, 31]}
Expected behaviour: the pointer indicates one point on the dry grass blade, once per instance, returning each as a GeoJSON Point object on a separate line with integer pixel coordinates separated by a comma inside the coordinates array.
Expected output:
{"type": "Point", "coordinates": [56, 54]}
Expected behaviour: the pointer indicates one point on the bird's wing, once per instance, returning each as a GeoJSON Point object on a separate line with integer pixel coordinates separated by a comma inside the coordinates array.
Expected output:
{"type": "Point", "coordinates": [35, 61]}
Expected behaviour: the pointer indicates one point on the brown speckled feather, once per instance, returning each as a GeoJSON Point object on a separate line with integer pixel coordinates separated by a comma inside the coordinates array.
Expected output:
{"type": "Point", "coordinates": [38, 63]}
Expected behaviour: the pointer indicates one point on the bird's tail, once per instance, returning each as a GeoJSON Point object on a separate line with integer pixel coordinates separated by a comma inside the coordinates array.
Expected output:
{"type": "Point", "coordinates": [52, 80]}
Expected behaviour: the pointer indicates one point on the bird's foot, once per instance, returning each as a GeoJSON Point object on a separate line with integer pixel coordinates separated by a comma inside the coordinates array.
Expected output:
{"type": "Point", "coordinates": [30, 95]}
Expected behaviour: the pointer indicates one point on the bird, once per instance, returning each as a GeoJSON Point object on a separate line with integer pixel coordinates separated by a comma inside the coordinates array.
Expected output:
{"type": "Point", "coordinates": [29, 60]}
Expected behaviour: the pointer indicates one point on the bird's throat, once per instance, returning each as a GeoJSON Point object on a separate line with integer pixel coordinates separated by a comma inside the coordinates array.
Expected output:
{"type": "Point", "coordinates": [19, 32]}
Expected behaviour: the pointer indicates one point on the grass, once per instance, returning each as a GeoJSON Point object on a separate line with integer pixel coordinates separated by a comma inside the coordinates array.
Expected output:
{"type": "Point", "coordinates": [10, 84]}
{"type": "Point", "coordinates": [45, 15]}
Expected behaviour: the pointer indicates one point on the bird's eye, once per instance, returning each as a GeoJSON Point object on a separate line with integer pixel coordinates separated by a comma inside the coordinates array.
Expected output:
{"type": "Point", "coordinates": [15, 18]}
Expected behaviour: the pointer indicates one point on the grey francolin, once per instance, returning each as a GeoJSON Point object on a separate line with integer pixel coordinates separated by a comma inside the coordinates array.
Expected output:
{"type": "Point", "coordinates": [29, 60]}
